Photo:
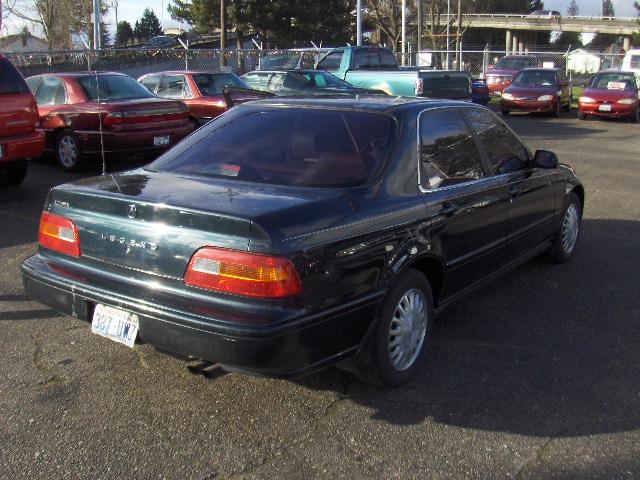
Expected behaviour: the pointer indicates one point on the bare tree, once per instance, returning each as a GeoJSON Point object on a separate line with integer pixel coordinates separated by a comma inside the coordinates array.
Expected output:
{"type": "Point", "coordinates": [51, 16]}
{"type": "Point", "coordinates": [386, 15]}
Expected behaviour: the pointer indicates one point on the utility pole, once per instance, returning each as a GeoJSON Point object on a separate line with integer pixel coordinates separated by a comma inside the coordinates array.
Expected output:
{"type": "Point", "coordinates": [448, 29]}
{"type": "Point", "coordinates": [359, 22]}
{"type": "Point", "coordinates": [419, 12]}
{"type": "Point", "coordinates": [458, 36]}
{"type": "Point", "coordinates": [223, 25]}
{"type": "Point", "coordinates": [404, 31]}
{"type": "Point", "coordinates": [96, 25]}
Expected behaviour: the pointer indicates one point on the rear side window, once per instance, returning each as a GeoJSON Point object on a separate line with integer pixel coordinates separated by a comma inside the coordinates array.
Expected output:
{"type": "Point", "coordinates": [150, 82]}
{"type": "Point", "coordinates": [210, 84]}
{"type": "Point", "coordinates": [387, 59]}
{"type": "Point", "coordinates": [366, 58]}
{"type": "Point", "coordinates": [505, 151]}
{"type": "Point", "coordinates": [448, 154]}
{"type": "Point", "coordinates": [257, 80]}
{"type": "Point", "coordinates": [300, 147]}
{"type": "Point", "coordinates": [11, 82]}
{"type": "Point", "coordinates": [285, 81]}
{"type": "Point", "coordinates": [173, 86]}
{"type": "Point", "coordinates": [331, 62]}
{"type": "Point", "coordinates": [50, 91]}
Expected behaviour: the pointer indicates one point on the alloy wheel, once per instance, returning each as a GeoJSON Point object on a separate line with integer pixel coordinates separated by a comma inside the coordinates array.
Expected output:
{"type": "Point", "coordinates": [570, 228]}
{"type": "Point", "coordinates": [67, 151]}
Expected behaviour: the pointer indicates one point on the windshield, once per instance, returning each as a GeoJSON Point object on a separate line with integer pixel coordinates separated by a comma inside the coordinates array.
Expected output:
{"type": "Point", "coordinates": [213, 84]}
{"type": "Point", "coordinates": [613, 81]}
{"type": "Point", "coordinates": [300, 147]}
{"type": "Point", "coordinates": [324, 80]}
{"type": "Point", "coordinates": [535, 78]}
{"type": "Point", "coordinates": [113, 87]}
{"type": "Point", "coordinates": [515, 63]}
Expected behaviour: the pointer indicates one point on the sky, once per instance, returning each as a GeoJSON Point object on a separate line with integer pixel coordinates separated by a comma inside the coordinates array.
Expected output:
{"type": "Point", "coordinates": [131, 10]}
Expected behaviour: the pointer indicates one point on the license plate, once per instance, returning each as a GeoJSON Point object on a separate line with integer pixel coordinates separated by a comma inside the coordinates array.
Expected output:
{"type": "Point", "coordinates": [160, 141]}
{"type": "Point", "coordinates": [605, 108]}
{"type": "Point", "coordinates": [118, 325]}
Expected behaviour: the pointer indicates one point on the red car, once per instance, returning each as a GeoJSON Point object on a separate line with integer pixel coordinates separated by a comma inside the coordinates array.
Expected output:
{"type": "Point", "coordinates": [610, 93]}
{"type": "Point", "coordinates": [134, 122]}
{"type": "Point", "coordinates": [538, 90]}
{"type": "Point", "coordinates": [202, 92]}
{"type": "Point", "coordinates": [19, 137]}
{"type": "Point", "coordinates": [499, 76]}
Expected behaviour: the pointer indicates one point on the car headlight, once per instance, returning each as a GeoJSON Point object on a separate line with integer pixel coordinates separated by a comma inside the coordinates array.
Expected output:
{"type": "Point", "coordinates": [545, 98]}
{"type": "Point", "coordinates": [627, 101]}
{"type": "Point", "coordinates": [507, 96]}
{"type": "Point", "coordinates": [586, 100]}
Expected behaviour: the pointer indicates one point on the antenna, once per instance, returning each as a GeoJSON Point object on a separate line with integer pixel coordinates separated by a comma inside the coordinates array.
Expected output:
{"type": "Point", "coordinates": [104, 161]}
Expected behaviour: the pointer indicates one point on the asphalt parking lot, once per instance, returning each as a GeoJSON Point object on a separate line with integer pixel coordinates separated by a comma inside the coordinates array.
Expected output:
{"type": "Point", "coordinates": [535, 377]}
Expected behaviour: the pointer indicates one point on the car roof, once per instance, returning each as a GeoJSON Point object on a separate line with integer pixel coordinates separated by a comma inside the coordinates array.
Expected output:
{"type": "Point", "coordinates": [540, 69]}
{"type": "Point", "coordinates": [187, 72]}
{"type": "Point", "coordinates": [78, 74]}
{"type": "Point", "coordinates": [370, 103]}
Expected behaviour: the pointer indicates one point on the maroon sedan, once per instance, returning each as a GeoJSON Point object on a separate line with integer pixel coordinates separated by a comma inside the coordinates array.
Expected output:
{"type": "Point", "coordinates": [499, 76]}
{"type": "Point", "coordinates": [202, 92]}
{"type": "Point", "coordinates": [610, 93]}
{"type": "Point", "coordinates": [83, 114]}
{"type": "Point", "coordinates": [538, 90]}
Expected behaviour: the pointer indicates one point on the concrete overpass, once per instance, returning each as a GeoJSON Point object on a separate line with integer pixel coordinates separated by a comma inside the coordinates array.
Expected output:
{"type": "Point", "coordinates": [520, 27]}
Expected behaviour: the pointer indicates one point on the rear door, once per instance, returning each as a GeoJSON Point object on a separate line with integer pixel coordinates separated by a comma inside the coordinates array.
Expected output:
{"type": "Point", "coordinates": [17, 108]}
{"type": "Point", "coordinates": [531, 193]}
{"type": "Point", "coordinates": [470, 206]}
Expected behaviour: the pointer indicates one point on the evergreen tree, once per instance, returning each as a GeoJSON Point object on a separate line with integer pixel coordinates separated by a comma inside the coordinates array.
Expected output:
{"type": "Point", "coordinates": [607, 9]}
{"type": "Point", "coordinates": [124, 33]}
{"type": "Point", "coordinates": [148, 26]}
{"type": "Point", "coordinates": [573, 9]}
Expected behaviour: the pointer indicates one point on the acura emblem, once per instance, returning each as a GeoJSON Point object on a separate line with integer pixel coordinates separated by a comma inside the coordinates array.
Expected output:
{"type": "Point", "coordinates": [132, 211]}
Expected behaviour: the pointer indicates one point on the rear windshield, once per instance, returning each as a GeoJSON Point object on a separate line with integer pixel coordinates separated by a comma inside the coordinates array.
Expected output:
{"type": "Point", "coordinates": [516, 63]}
{"type": "Point", "coordinates": [210, 84]}
{"type": "Point", "coordinates": [113, 87]}
{"type": "Point", "coordinates": [11, 81]}
{"type": "Point", "coordinates": [301, 147]}
{"type": "Point", "coordinates": [535, 78]}
{"type": "Point", "coordinates": [613, 81]}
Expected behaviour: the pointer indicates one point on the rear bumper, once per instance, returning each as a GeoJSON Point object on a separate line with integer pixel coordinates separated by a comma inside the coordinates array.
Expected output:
{"type": "Point", "coordinates": [17, 147]}
{"type": "Point", "coordinates": [618, 110]}
{"type": "Point", "coordinates": [293, 348]}
{"type": "Point", "coordinates": [131, 142]}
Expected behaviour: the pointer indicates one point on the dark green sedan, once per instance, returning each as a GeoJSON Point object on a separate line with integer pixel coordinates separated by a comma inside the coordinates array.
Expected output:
{"type": "Point", "coordinates": [292, 234]}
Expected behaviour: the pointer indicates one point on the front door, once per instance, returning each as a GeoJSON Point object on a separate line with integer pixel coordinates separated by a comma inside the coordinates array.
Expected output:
{"type": "Point", "coordinates": [469, 205]}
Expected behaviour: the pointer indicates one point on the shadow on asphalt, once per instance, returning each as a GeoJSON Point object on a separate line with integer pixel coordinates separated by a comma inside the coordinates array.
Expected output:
{"type": "Point", "coordinates": [548, 350]}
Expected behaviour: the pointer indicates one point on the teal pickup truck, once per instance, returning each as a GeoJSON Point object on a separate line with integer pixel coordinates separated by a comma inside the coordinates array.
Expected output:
{"type": "Point", "coordinates": [376, 68]}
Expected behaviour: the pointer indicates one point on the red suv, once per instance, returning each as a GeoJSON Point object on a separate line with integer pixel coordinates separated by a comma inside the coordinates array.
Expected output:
{"type": "Point", "coordinates": [19, 139]}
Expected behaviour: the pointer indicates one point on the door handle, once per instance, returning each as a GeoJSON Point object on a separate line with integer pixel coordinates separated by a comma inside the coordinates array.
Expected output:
{"type": "Point", "coordinates": [514, 190]}
{"type": "Point", "coordinates": [448, 209]}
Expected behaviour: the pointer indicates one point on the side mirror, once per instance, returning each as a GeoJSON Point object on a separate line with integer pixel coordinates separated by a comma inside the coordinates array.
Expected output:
{"type": "Point", "coordinates": [545, 159]}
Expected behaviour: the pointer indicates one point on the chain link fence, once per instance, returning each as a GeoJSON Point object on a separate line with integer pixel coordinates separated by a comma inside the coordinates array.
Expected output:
{"type": "Point", "coordinates": [579, 65]}
{"type": "Point", "coordinates": [138, 62]}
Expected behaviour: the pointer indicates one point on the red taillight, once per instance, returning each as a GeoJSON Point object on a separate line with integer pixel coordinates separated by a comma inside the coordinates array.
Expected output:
{"type": "Point", "coordinates": [59, 234]}
{"type": "Point", "coordinates": [419, 86]}
{"type": "Point", "coordinates": [242, 273]}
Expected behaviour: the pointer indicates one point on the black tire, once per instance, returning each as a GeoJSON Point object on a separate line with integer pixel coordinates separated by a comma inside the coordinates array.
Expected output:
{"type": "Point", "coordinates": [67, 151]}
{"type": "Point", "coordinates": [581, 116]}
{"type": "Point", "coordinates": [382, 369]}
{"type": "Point", "coordinates": [13, 173]}
{"type": "Point", "coordinates": [505, 113]}
{"type": "Point", "coordinates": [556, 111]}
{"type": "Point", "coordinates": [564, 247]}
{"type": "Point", "coordinates": [635, 118]}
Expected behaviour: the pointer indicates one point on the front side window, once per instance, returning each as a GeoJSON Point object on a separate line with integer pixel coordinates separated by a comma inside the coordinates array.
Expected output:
{"type": "Point", "coordinates": [173, 86]}
{"type": "Point", "coordinates": [448, 154]}
{"type": "Point", "coordinates": [332, 61]}
{"type": "Point", "coordinates": [285, 81]}
{"type": "Point", "coordinates": [506, 153]}
{"type": "Point", "coordinates": [299, 147]}
{"type": "Point", "coordinates": [112, 87]}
